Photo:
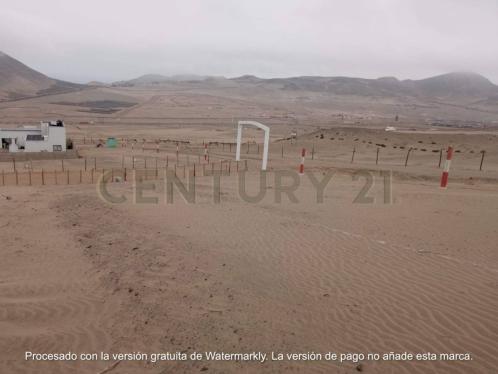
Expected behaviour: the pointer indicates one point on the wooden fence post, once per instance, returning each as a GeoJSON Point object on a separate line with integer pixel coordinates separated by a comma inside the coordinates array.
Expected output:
{"type": "Point", "coordinates": [482, 160]}
{"type": "Point", "coordinates": [377, 157]}
{"type": "Point", "coordinates": [407, 156]}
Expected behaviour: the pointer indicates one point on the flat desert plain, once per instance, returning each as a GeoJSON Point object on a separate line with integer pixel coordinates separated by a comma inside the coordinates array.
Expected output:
{"type": "Point", "coordinates": [386, 261]}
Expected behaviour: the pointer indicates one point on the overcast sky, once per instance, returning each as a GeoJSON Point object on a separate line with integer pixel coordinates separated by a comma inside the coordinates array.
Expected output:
{"type": "Point", "coordinates": [111, 40]}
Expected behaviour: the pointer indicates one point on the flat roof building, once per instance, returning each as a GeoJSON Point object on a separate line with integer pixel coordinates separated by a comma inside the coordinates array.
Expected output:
{"type": "Point", "coordinates": [50, 136]}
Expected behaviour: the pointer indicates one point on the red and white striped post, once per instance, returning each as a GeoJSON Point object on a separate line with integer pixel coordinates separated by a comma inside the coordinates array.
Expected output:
{"type": "Point", "coordinates": [446, 170]}
{"type": "Point", "coordinates": [301, 166]}
{"type": "Point", "coordinates": [205, 152]}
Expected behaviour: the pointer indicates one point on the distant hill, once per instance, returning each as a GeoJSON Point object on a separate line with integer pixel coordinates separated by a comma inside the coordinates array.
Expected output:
{"type": "Point", "coordinates": [455, 84]}
{"type": "Point", "coordinates": [151, 79]}
{"type": "Point", "coordinates": [20, 81]}
{"type": "Point", "coordinates": [452, 85]}
{"type": "Point", "coordinates": [97, 84]}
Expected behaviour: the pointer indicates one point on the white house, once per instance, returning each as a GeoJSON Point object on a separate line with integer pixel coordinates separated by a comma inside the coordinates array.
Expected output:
{"type": "Point", "coordinates": [49, 137]}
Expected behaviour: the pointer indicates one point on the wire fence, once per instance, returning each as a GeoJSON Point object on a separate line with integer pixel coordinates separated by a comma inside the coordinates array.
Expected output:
{"type": "Point", "coordinates": [81, 176]}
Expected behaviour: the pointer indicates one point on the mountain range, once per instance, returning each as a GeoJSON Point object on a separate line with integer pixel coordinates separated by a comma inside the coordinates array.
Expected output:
{"type": "Point", "coordinates": [459, 84]}
{"type": "Point", "coordinates": [19, 81]}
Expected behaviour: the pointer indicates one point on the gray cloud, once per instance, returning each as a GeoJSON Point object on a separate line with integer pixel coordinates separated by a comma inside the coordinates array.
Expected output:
{"type": "Point", "coordinates": [112, 40]}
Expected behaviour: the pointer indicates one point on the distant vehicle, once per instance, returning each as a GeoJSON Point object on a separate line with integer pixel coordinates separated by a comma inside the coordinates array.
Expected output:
{"type": "Point", "coordinates": [390, 128]}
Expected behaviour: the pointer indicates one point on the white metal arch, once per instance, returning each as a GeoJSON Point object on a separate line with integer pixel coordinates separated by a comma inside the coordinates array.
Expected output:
{"type": "Point", "coordinates": [266, 129]}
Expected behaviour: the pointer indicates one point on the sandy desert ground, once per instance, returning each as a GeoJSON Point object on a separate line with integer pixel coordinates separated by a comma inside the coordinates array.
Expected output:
{"type": "Point", "coordinates": [83, 275]}
{"type": "Point", "coordinates": [415, 272]}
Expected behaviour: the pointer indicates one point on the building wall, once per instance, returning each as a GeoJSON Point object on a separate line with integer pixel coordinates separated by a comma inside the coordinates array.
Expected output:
{"type": "Point", "coordinates": [57, 136]}
{"type": "Point", "coordinates": [37, 146]}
